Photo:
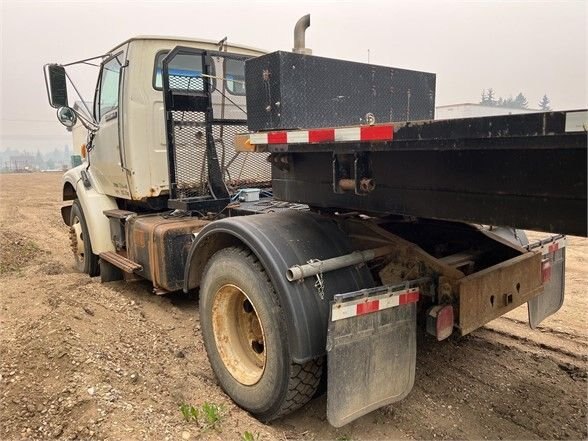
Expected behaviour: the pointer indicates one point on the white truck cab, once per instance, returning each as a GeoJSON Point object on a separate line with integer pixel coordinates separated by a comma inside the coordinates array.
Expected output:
{"type": "Point", "coordinates": [125, 157]}
{"type": "Point", "coordinates": [128, 154]}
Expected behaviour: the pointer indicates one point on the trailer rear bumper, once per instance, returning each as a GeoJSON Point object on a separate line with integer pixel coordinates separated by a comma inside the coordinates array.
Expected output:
{"type": "Point", "coordinates": [536, 277]}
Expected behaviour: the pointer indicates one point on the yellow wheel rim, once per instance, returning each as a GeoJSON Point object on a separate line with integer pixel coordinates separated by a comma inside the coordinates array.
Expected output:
{"type": "Point", "coordinates": [239, 335]}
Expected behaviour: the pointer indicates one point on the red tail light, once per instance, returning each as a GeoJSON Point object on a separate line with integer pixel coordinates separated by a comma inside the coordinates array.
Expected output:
{"type": "Point", "coordinates": [546, 270]}
{"type": "Point", "coordinates": [440, 321]}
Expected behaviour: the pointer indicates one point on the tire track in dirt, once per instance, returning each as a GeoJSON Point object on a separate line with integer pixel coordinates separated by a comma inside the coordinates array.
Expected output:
{"type": "Point", "coordinates": [547, 330]}
{"type": "Point", "coordinates": [495, 390]}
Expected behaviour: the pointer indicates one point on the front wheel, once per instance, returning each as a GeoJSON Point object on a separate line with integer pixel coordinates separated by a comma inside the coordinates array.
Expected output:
{"type": "Point", "coordinates": [246, 339]}
{"type": "Point", "coordinates": [85, 260]}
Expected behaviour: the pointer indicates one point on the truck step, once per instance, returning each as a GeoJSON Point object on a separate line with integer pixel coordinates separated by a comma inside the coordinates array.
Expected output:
{"type": "Point", "coordinates": [118, 214]}
{"type": "Point", "coordinates": [127, 265]}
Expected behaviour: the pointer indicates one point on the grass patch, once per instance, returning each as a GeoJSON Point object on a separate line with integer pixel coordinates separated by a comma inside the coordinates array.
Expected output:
{"type": "Point", "coordinates": [248, 436]}
{"type": "Point", "coordinates": [208, 416]}
{"type": "Point", "coordinates": [213, 414]}
{"type": "Point", "coordinates": [189, 412]}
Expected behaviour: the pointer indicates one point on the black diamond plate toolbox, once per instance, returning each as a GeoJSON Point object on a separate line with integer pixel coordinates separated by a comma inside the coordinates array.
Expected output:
{"type": "Point", "coordinates": [287, 90]}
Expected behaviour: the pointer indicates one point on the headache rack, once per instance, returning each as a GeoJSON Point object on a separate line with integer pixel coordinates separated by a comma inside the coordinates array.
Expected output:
{"type": "Point", "coordinates": [204, 110]}
{"type": "Point", "coordinates": [526, 171]}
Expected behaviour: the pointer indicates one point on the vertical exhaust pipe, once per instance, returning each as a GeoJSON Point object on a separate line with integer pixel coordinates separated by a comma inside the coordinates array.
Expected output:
{"type": "Point", "coordinates": [299, 45]}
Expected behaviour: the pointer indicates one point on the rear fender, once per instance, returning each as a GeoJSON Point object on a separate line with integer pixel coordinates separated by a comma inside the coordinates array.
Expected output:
{"type": "Point", "coordinates": [280, 240]}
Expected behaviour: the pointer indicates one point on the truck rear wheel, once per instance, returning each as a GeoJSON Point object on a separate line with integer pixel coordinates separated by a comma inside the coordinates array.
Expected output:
{"type": "Point", "coordinates": [246, 339]}
{"type": "Point", "coordinates": [85, 260]}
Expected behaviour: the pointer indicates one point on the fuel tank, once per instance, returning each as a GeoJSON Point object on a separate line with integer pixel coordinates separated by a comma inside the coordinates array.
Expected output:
{"type": "Point", "coordinates": [160, 243]}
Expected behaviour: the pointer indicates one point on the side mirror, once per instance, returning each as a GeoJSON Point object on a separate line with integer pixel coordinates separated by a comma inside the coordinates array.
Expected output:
{"type": "Point", "coordinates": [67, 117]}
{"type": "Point", "coordinates": [56, 83]}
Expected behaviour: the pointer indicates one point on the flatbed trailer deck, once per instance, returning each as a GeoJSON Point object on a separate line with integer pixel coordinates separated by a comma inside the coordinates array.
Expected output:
{"type": "Point", "coordinates": [527, 171]}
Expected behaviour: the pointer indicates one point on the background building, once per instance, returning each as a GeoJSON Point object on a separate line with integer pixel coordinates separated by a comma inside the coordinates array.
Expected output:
{"type": "Point", "coordinates": [471, 110]}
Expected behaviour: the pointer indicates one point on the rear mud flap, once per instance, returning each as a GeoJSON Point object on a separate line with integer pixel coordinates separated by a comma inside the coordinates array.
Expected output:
{"type": "Point", "coordinates": [371, 359]}
{"type": "Point", "coordinates": [549, 302]}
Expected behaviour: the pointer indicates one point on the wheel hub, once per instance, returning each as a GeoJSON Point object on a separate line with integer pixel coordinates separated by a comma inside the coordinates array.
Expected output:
{"type": "Point", "coordinates": [239, 334]}
{"type": "Point", "coordinates": [76, 238]}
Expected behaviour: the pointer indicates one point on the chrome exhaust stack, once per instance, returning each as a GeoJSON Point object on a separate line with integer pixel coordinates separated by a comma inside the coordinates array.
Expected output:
{"type": "Point", "coordinates": [299, 44]}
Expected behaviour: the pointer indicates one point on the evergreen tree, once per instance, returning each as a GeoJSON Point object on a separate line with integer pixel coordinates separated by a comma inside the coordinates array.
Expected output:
{"type": "Point", "coordinates": [39, 159]}
{"type": "Point", "coordinates": [544, 103]}
{"type": "Point", "coordinates": [520, 101]}
{"type": "Point", "coordinates": [488, 97]}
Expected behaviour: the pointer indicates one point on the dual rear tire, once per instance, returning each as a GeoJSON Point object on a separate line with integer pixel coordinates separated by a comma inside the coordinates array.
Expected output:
{"type": "Point", "coordinates": [246, 338]}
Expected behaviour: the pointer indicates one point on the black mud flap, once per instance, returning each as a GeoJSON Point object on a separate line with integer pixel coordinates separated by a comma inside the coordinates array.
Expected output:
{"type": "Point", "coordinates": [553, 271]}
{"type": "Point", "coordinates": [371, 348]}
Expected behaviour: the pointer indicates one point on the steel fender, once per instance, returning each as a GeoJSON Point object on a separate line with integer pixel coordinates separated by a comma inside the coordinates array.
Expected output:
{"type": "Point", "coordinates": [93, 204]}
{"type": "Point", "coordinates": [280, 240]}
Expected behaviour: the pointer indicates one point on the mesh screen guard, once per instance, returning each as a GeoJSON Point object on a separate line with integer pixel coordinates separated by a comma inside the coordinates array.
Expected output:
{"type": "Point", "coordinates": [205, 106]}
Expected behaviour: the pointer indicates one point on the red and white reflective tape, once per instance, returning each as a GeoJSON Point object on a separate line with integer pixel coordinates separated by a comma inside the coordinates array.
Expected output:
{"type": "Point", "coordinates": [552, 247]}
{"type": "Point", "coordinates": [315, 136]}
{"type": "Point", "coordinates": [340, 311]}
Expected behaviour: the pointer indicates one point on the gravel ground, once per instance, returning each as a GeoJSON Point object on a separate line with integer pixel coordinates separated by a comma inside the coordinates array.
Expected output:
{"type": "Point", "coordinates": [85, 360]}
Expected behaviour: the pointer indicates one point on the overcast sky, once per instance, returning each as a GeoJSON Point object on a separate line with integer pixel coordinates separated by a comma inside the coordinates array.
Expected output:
{"type": "Point", "coordinates": [527, 46]}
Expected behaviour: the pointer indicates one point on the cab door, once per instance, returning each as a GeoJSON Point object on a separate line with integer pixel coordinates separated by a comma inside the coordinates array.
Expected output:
{"type": "Point", "coordinates": [107, 153]}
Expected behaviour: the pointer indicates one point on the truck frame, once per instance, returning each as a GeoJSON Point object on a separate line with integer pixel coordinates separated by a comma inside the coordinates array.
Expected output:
{"type": "Point", "coordinates": [317, 253]}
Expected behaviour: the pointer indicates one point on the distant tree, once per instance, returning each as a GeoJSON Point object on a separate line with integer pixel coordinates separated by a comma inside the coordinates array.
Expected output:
{"type": "Point", "coordinates": [520, 101]}
{"type": "Point", "coordinates": [488, 97]}
{"type": "Point", "coordinates": [508, 102]}
{"type": "Point", "coordinates": [544, 103]}
{"type": "Point", "coordinates": [39, 160]}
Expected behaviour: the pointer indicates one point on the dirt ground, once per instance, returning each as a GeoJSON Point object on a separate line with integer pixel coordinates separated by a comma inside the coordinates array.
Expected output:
{"type": "Point", "coordinates": [81, 359]}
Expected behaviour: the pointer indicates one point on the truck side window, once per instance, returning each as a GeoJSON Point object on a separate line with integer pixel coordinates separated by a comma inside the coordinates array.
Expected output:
{"type": "Point", "coordinates": [185, 72]}
{"type": "Point", "coordinates": [235, 76]}
{"type": "Point", "coordinates": [109, 87]}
